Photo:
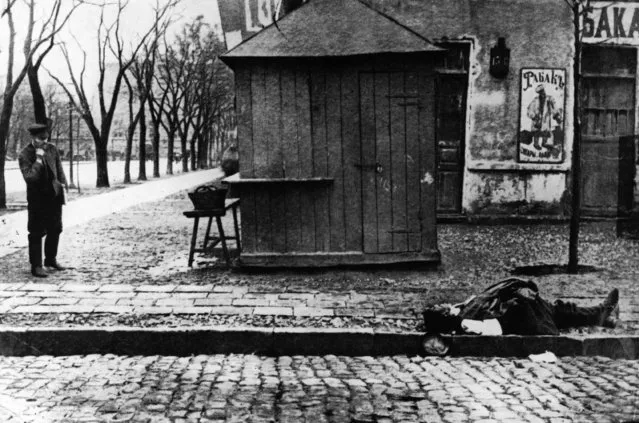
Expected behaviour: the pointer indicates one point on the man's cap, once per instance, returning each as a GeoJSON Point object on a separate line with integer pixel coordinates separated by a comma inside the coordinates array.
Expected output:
{"type": "Point", "coordinates": [539, 88]}
{"type": "Point", "coordinates": [38, 128]}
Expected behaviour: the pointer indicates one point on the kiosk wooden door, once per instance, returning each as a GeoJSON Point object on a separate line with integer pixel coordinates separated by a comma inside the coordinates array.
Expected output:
{"type": "Point", "coordinates": [389, 113]}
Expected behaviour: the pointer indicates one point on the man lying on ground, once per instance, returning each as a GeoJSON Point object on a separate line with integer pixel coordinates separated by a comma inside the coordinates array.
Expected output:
{"type": "Point", "coordinates": [514, 306]}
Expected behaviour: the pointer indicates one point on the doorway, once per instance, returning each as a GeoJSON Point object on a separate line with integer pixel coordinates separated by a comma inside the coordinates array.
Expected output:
{"type": "Point", "coordinates": [452, 91]}
{"type": "Point", "coordinates": [608, 129]}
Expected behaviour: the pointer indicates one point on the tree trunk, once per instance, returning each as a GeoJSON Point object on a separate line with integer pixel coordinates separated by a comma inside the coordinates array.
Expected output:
{"type": "Point", "coordinates": [5, 121]}
{"type": "Point", "coordinates": [17, 146]}
{"type": "Point", "coordinates": [142, 155]}
{"type": "Point", "coordinates": [185, 157]}
{"type": "Point", "coordinates": [3, 188]}
{"type": "Point", "coordinates": [202, 151]}
{"type": "Point", "coordinates": [39, 105]}
{"type": "Point", "coordinates": [210, 150]}
{"type": "Point", "coordinates": [194, 152]}
{"type": "Point", "coordinates": [156, 149]}
{"type": "Point", "coordinates": [169, 153]}
{"type": "Point", "coordinates": [101, 157]}
{"type": "Point", "coordinates": [127, 157]}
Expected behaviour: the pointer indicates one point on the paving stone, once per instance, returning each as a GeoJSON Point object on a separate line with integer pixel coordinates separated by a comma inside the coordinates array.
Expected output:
{"type": "Point", "coordinates": [104, 308]}
{"type": "Point", "coordinates": [152, 310]}
{"type": "Point", "coordinates": [11, 286]}
{"type": "Point", "coordinates": [18, 301]}
{"type": "Point", "coordinates": [175, 302]}
{"type": "Point", "coordinates": [212, 302]}
{"type": "Point", "coordinates": [71, 287]}
{"type": "Point", "coordinates": [273, 311]}
{"type": "Point", "coordinates": [59, 301]}
{"type": "Point", "coordinates": [116, 288]}
{"type": "Point", "coordinates": [191, 310]}
{"type": "Point", "coordinates": [230, 310]}
{"type": "Point", "coordinates": [312, 311]}
{"type": "Point", "coordinates": [250, 302]}
{"type": "Point", "coordinates": [194, 288]}
{"type": "Point", "coordinates": [155, 288]}
{"type": "Point", "coordinates": [130, 302]}
{"type": "Point", "coordinates": [40, 287]}
{"type": "Point", "coordinates": [35, 309]}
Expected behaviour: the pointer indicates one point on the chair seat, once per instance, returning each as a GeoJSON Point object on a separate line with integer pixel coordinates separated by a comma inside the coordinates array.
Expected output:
{"type": "Point", "coordinates": [228, 204]}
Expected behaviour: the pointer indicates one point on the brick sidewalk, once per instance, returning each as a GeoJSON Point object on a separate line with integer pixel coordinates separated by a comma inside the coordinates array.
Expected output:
{"type": "Point", "coordinates": [43, 298]}
{"type": "Point", "coordinates": [134, 262]}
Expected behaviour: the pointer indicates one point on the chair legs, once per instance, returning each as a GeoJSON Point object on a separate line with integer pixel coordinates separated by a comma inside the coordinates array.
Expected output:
{"type": "Point", "coordinates": [221, 237]}
{"type": "Point", "coordinates": [220, 230]}
{"type": "Point", "coordinates": [208, 232]}
{"type": "Point", "coordinates": [237, 230]}
{"type": "Point", "coordinates": [196, 221]}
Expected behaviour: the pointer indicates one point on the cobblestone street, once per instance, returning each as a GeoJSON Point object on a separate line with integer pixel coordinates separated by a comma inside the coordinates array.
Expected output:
{"type": "Point", "coordinates": [247, 388]}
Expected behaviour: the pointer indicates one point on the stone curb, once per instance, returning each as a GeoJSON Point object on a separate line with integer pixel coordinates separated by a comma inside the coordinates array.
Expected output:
{"type": "Point", "coordinates": [293, 341]}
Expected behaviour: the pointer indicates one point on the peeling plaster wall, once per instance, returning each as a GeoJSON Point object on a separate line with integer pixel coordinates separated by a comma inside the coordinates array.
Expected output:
{"type": "Point", "coordinates": [539, 34]}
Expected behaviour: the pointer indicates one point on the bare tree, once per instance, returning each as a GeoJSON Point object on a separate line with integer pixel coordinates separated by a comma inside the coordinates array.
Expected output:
{"type": "Point", "coordinates": [143, 71]}
{"type": "Point", "coordinates": [34, 63]}
{"type": "Point", "coordinates": [134, 118]}
{"type": "Point", "coordinates": [34, 40]}
{"type": "Point", "coordinates": [156, 111]}
{"type": "Point", "coordinates": [197, 88]}
{"type": "Point", "coordinates": [171, 73]}
{"type": "Point", "coordinates": [109, 40]}
{"type": "Point", "coordinates": [20, 119]}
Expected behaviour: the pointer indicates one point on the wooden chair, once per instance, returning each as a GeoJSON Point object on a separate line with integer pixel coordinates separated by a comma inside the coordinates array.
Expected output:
{"type": "Point", "coordinates": [221, 237]}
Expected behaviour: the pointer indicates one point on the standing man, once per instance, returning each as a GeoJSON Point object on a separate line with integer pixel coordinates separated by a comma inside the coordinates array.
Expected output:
{"type": "Point", "coordinates": [42, 170]}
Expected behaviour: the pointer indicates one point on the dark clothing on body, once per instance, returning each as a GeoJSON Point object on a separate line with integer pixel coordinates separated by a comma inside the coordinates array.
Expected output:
{"type": "Point", "coordinates": [520, 310]}
{"type": "Point", "coordinates": [45, 197]}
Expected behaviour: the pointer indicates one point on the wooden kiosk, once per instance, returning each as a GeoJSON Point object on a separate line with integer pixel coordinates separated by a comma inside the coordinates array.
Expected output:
{"type": "Point", "coordinates": [335, 113]}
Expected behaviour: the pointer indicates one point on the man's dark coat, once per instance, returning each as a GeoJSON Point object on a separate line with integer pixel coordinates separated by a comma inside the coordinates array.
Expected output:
{"type": "Point", "coordinates": [38, 187]}
{"type": "Point", "coordinates": [45, 193]}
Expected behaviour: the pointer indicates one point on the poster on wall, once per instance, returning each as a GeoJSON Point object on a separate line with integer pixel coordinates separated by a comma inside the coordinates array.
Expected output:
{"type": "Point", "coordinates": [541, 122]}
{"type": "Point", "coordinates": [611, 23]}
{"type": "Point", "coordinates": [243, 18]}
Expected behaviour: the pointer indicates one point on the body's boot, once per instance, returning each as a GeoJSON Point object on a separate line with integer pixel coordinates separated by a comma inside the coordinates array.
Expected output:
{"type": "Point", "coordinates": [568, 315]}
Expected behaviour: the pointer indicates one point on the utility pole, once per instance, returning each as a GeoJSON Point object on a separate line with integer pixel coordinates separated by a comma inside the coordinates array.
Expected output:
{"type": "Point", "coordinates": [71, 184]}
{"type": "Point", "coordinates": [578, 7]}
{"type": "Point", "coordinates": [77, 137]}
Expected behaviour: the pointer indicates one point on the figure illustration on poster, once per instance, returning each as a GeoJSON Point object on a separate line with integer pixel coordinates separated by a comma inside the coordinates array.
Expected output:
{"type": "Point", "coordinates": [541, 136]}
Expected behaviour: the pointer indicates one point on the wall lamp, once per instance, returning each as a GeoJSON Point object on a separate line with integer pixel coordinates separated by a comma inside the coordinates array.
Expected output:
{"type": "Point", "coordinates": [499, 59]}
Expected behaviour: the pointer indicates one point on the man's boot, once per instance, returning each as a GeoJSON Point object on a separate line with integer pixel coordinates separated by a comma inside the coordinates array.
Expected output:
{"type": "Point", "coordinates": [35, 256]}
{"type": "Point", "coordinates": [38, 272]}
{"type": "Point", "coordinates": [610, 310]}
{"type": "Point", "coordinates": [51, 251]}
